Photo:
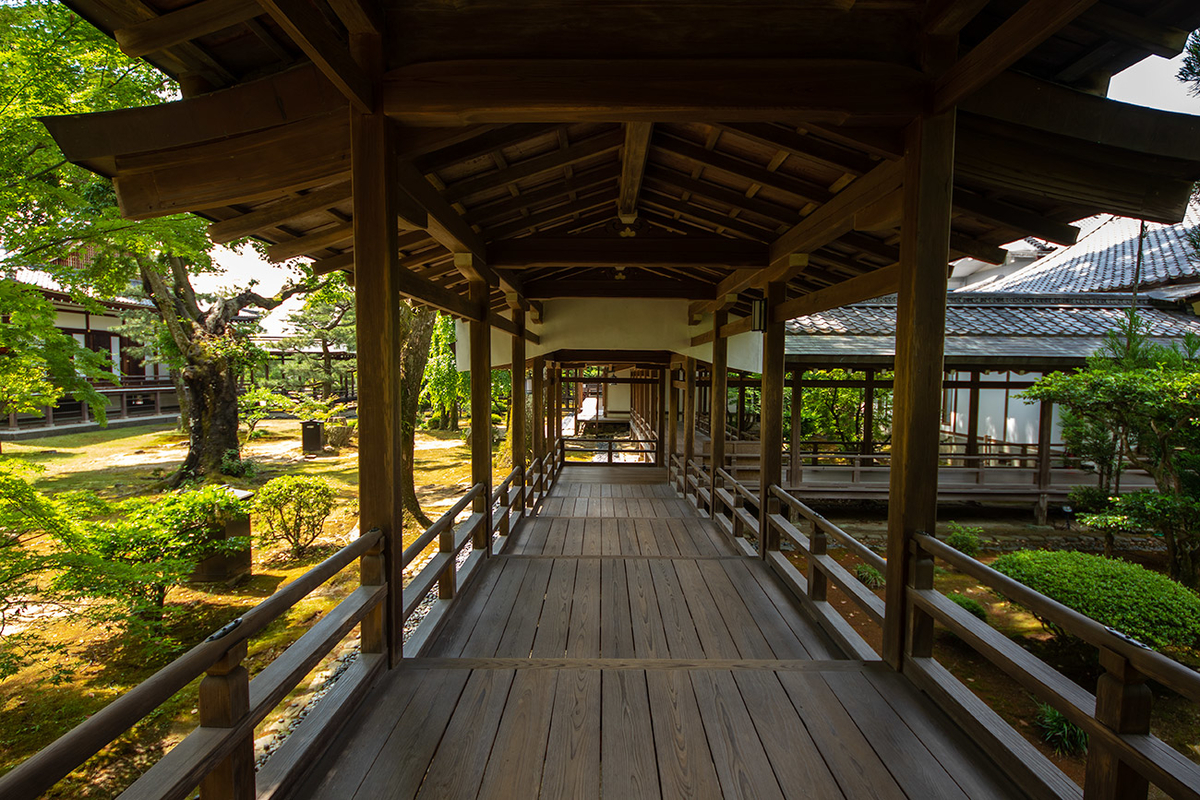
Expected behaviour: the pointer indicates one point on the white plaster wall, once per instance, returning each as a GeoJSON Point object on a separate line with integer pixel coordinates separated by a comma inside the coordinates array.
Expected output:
{"type": "Point", "coordinates": [609, 323]}
{"type": "Point", "coordinates": [619, 397]}
{"type": "Point", "coordinates": [69, 319]}
{"type": "Point", "coordinates": [1019, 425]}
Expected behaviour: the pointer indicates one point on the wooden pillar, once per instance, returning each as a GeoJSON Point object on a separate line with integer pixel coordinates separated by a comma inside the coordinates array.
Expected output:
{"type": "Point", "coordinates": [868, 439]}
{"type": "Point", "coordinates": [689, 411]}
{"type": "Point", "coordinates": [517, 407]}
{"type": "Point", "coordinates": [770, 427]}
{"type": "Point", "coordinates": [481, 412]}
{"type": "Point", "coordinates": [1045, 428]}
{"type": "Point", "coordinates": [377, 308]}
{"type": "Point", "coordinates": [672, 414]}
{"type": "Point", "coordinates": [973, 421]}
{"type": "Point", "coordinates": [741, 408]}
{"type": "Point", "coordinates": [718, 402]}
{"type": "Point", "coordinates": [539, 423]}
{"type": "Point", "coordinates": [663, 451]}
{"type": "Point", "coordinates": [83, 409]}
{"type": "Point", "coordinates": [920, 334]}
{"type": "Point", "coordinates": [556, 408]}
{"type": "Point", "coordinates": [224, 698]}
{"type": "Point", "coordinates": [795, 469]}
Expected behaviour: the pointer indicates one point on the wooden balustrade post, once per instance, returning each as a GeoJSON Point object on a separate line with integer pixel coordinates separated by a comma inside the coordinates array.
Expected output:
{"type": "Point", "coordinates": [818, 545]}
{"type": "Point", "coordinates": [481, 412]}
{"type": "Point", "coordinates": [739, 503]}
{"type": "Point", "coordinates": [372, 572]}
{"type": "Point", "coordinates": [720, 402]}
{"type": "Point", "coordinates": [919, 638]}
{"type": "Point", "coordinates": [689, 412]}
{"type": "Point", "coordinates": [672, 416]}
{"type": "Point", "coordinates": [517, 407]}
{"type": "Point", "coordinates": [448, 577]}
{"type": "Point", "coordinates": [868, 440]}
{"type": "Point", "coordinates": [1123, 704]}
{"type": "Point", "coordinates": [770, 429]}
{"type": "Point", "coordinates": [661, 457]}
{"type": "Point", "coordinates": [224, 699]}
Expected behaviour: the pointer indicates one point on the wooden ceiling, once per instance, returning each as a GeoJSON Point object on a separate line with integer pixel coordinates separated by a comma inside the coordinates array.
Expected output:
{"type": "Point", "coordinates": [667, 148]}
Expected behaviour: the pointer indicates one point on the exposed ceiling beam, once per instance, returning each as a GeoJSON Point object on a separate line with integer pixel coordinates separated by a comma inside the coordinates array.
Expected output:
{"type": "Point", "coordinates": [1006, 216]}
{"type": "Point", "coordinates": [505, 324]}
{"type": "Point", "coordinates": [688, 90]}
{"type": "Point", "coordinates": [806, 191]}
{"type": "Point", "coordinates": [276, 214]}
{"type": "Point", "coordinates": [324, 266]}
{"type": "Point", "coordinates": [420, 288]}
{"type": "Point", "coordinates": [176, 27]}
{"type": "Point", "coordinates": [1134, 30]}
{"type": "Point", "coordinates": [948, 17]}
{"type": "Point", "coordinates": [973, 248]}
{"type": "Point", "coordinates": [313, 34]}
{"type": "Point", "coordinates": [1032, 24]}
{"type": "Point", "coordinates": [708, 216]}
{"type": "Point", "coordinates": [633, 168]}
{"type": "Point", "coordinates": [312, 242]}
{"type": "Point", "coordinates": [804, 146]}
{"type": "Point", "coordinates": [557, 159]}
{"type": "Point", "coordinates": [484, 142]}
{"type": "Point", "coordinates": [632, 286]}
{"type": "Point", "coordinates": [445, 225]}
{"type": "Point", "coordinates": [720, 194]}
{"type": "Point", "coordinates": [359, 16]}
{"type": "Point", "coordinates": [534, 252]}
{"type": "Point", "coordinates": [559, 190]}
{"type": "Point", "coordinates": [550, 215]}
{"type": "Point", "coordinates": [873, 284]}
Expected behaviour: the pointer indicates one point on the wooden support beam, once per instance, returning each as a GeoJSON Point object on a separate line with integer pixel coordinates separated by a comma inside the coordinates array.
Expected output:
{"type": "Point", "coordinates": [920, 334]}
{"type": "Point", "coordinates": [324, 266]}
{"type": "Point", "coordinates": [538, 252]}
{"type": "Point", "coordinates": [1134, 30]}
{"type": "Point", "coordinates": [377, 302]}
{"type": "Point", "coordinates": [481, 416]}
{"type": "Point", "coordinates": [423, 290]}
{"type": "Point", "coordinates": [580, 181]}
{"type": "Point", "coordinates": [276, 214]}
{"type": "Point", "coordinates": [510, 327]}
{"type": "Point", "coordinates": [672, 424]}
{"type": "Point", "coordinates": [1033, 23]}
{"type": "Point", "coordinates": [770, 426]}
{"type": "Point", "coordinates": [633, 168]}
{"type": "Point", "coordinates": [948, 17]}
{"type": "Point", "coordinates": [689, 409]}
{"type": "Point", "coordinates": [686, 183]}
{"type": "Point", "coordinates": [444, 224]}
{"type": "Point", "coordinates": [676, 90]}
{"type": "Point", "coordinates": [285, 97]}
{"type": "Point", "coordinates": [546, 288]}
{"type": "Point", "coordinates": [313, 34]}
{"type": "Point", "coordinates": [721, 221]}
{"type": "Point", "coordinates": [981, 251]}
{"type": "Point", "coordinates": [885, 280]}
{"type": "Point", "coordinates": [1006, 216]}
{"type": "Point", "coordinates": [804, 147]}
{"type": "Point", "coordinates": [359, 16]}
{"type": "Point", "coordinates": [538, 165]}
{"type": "Point", "coordinates": [185, 24]}
{"type": "Point", "coordinates": [551, 215]}
{"type": "Point", "coordinates": [340, 233]}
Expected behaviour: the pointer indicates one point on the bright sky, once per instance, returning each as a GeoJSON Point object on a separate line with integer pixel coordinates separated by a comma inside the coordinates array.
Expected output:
{"type": "Point", "coordinates": [1150, 83]}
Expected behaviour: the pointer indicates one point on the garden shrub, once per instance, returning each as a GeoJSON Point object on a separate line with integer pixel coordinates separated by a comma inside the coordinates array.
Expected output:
{"type": "Point", "coordinates": [870, 577]}
{"type": "Point", "coordinates": [969, 604]}
{"type": "Point", "coordinates": [1129, 598]}
{"type": "Point", "coordinates": [964, 538]}
{"type": "Point", "coordinates": [234, 465]}
{"type": "Point", "coordinates": [1088, 499]}
{"type": "Point", "coordinates": [293, 509]}
{"type": "Point", "coordinates": [1064, 737]}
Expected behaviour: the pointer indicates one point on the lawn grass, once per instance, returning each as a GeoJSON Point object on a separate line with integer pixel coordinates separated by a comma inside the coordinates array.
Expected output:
{"type": "Point", "coordinates": [135, 460]}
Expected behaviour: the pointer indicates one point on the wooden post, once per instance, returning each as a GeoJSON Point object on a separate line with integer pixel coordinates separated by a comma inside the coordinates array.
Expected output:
{"type": "Point", "coordinates": [481, 413]}
{"type": "Point", "coordinates": [661, 453]}
{"type": "Point", "coordinates": [83, 410]}
{"type": "Point", "coordinates": [1045, 428]}
{"type": "Point", "coordinates": [224, 698]}
{"type": "Point", "coordinates": [539, 426]}
{"type": "Point", "coordinates": [517, 407]}
{"type": "Point", "coordinates": [556, 432]}
{"type": "Point", "coordinates": [920, 334]}
{"type": "Point", "coordinates": [158, 401]}
{"type": "Point", "coordinates": [795, 468]}
{"type": "Point", "coordinates": [672, 415]}
{"type": "Point", "coordinates": [377, 307]}
{"type": "Point", "coordinates": [770, 426]}
{"type": "Point", "coordinates": [818, 582]}
{"type": "Point", "coordinates": [719, 403]}
{"type": "Point", "coordinates": [868, 440]}
{"type": "Point", "coordinates": [372, 572]}
{"type": "Point", "coordinates": [741, 408]}
{"type": "Point", "coordinates": [689, 413]}
{"type": "Point", "coordinates": [1123, 703]}
{"type": "Point", "coordinates": [972, 448]}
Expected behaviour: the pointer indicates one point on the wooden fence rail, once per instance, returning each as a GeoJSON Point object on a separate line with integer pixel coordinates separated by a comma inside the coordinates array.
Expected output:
{"type": "Point", "coordinates": [1123, 757]}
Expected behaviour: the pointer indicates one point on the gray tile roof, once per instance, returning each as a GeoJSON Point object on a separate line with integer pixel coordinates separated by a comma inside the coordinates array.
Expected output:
{"type": "Point", "coordinates": [1105, 259]}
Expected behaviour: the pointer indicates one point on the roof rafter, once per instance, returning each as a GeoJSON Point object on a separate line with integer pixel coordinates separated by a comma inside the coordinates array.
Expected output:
{"type": "Point", "coordinates": [185, 24]}
{"type": "Point", "coordinates": [312, 33]}
{"type": "Point", "coordinates": [634, 153]}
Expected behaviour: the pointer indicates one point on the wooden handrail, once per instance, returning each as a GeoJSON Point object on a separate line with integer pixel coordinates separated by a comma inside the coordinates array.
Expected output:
{"type": "Point", "coordinates": [849, 542]}
{"type": "Point", "coordinates": [1166, 671]}
{"type": "Point", "coordinates": [50, 765]}
{"type": "Point", "coordinates": [440, 525]}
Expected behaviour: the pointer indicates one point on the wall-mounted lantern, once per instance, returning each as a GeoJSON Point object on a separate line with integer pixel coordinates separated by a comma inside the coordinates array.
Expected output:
{"type": "Point", "coordinates": [758, 315]}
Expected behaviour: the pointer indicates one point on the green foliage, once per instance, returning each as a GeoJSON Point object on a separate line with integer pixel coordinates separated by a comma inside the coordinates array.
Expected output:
{"type": "Point", "coordinates": [1064, 737]}
{"type": "Point", "coordinates": [964, 538]}
{"type": "Point", "coordinates": [323, 329]}
{"type": "Point", "coordinates": [869, 576]}
{"type": "Point", "coordinates": [38, 362]}
{"type": "Point", "coordinates": [293, 509]}
{"type": "Point", "coordinates": [1173, 516]}
{"type": "Point", "coordinates": [1189, 71]}
{"type": "Point", "coordinates": [233, 465]}
{"type": "Point", "coordinates": [444, 387]}
{"type": "Point", "coordinates": [258, 404]}
{"type": "Point", "coordinates": [1126, 597]}
{"type": "Point", "coordinates": [969, 604]}
{"type": "Point", "coordinates": [1088, 499]}
{"type": "Point", "coordinates": [310, 408]}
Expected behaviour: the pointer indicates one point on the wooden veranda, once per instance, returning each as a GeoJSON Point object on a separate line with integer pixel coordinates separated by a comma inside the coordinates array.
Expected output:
{"type": "Point", "coordinates": [655, 185]}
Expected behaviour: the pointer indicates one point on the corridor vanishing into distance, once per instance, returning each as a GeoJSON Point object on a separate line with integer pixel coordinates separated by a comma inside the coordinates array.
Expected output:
{"type": "Point", "coordinates": [621, 648]}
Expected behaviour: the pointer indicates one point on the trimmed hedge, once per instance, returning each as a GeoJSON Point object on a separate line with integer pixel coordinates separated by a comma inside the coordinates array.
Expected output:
{"type": "Point", "coordinates": [1140, 603]}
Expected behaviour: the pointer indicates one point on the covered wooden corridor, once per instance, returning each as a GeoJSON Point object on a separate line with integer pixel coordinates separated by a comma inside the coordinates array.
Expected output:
{"type": "Point", "coordinates": [622, 647]}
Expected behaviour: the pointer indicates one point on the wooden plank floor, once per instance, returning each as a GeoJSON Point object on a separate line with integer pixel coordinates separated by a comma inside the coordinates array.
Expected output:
{"type": "Point", "coordinates": [620, 648]}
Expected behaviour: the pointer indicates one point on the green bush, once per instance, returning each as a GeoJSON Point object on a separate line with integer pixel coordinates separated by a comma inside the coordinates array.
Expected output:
{"type": "Point", "coordinates": [234, 465]}
{"type": "Point", "coordinates": [870, 577]}
{"type": "Point", "coordinates": [293, 509]}
{"type": "Point", "coordinates": [1064, 737]}
{"type": "Point", "coordinates": [964, 538]}
{"type": "Point", "coordinates": [1148, 606]}
{"type": "Point", "coordinates": [1088, 499]}
{"type": "Point", "coordinates": [970, 604]}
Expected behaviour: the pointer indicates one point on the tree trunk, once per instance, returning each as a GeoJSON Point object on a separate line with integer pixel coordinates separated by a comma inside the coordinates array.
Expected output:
{"type": "Point", "coordinates": [185, 402]}
{"type": "Point", "coordinates": [214, 417]}
{"type": "Point", "coordinates": [414, 357]}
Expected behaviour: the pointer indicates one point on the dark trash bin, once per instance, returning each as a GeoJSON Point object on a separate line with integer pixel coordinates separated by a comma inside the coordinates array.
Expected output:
{"type": "Point", "coordinates": [312, 436]}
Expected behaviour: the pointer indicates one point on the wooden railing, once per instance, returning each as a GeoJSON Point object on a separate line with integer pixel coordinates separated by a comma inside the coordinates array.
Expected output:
{"type": "Point", "coordinates": [644, 448]}
{"type": "Point", "coordinates": [1123, 757]}
{"type": "Point", "coordinates": [219, 755]}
